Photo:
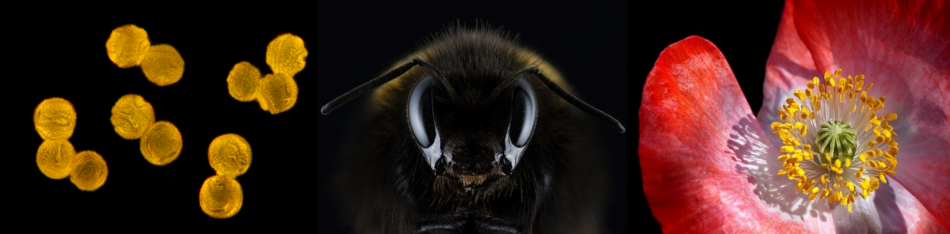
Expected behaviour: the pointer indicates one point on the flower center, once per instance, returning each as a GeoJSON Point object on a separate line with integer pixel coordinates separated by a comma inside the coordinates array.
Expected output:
{"type": "Point", "coordinates": [836, 138]}
{"type": "Point", "coordinates": [849, 144]}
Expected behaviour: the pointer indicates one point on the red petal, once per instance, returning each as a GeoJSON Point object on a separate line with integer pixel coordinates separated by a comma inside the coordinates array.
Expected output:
{"type": "Point", "coordinates": [901, 212]}
{"type": "Point", "coordinates": [789, 67]}
{"type": "Point", "coordinates": [924, 159]}
{"type": "Point", "coordinates": [692, 178]}
{"type": "Point", "coordinates": [903, 48]}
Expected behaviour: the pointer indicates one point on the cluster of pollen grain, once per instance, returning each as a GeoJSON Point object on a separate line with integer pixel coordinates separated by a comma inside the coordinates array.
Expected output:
{"type": "Point", "coordinates": [128, 46]}
{"type": "Point", "coordinates": [55, 121]}
{"type": "Point", "coordinates": [846, 156]}
{"type": "Point", "coordinates": [220, 196]}
{"type": "Point", "coordinates": [276, 92]}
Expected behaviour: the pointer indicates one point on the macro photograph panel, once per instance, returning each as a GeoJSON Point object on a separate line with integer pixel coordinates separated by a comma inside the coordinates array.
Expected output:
{"type": "Point", "coordinates": [472, 117]}
{"type": "Point", "coordinates": [186, 120]}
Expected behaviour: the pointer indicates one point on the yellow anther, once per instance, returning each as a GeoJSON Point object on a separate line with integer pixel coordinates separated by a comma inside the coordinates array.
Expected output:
{"type": "Point", "coordinates": [891, 116]}
{"type": "Point", "coordinates": [787, 149]}
{"type": "Point", "coordinates": [882, 178]}
{"type": "Point", "coordinates": [791, 110]}
{"type": "Point", "coordinates": [858, 174]}
{"type": "Point", "coordinates": [850, 186]}
{"type": "Point", "coordinates": [802, 128]}
{"type": "Point", "coordinates": [847, 162]}
{"type": "Point", "coordinates": [863, 158]}
{"type": "Point", "coordinates": [800, 95]}
{"type": "Point", "coordinates": [794, 142]}
{"type": "Point", "coordinates": [838, 72]}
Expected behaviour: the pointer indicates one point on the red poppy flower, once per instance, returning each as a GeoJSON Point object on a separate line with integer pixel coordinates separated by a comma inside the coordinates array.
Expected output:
{"type": "Point", "coordinates": [710, 165]}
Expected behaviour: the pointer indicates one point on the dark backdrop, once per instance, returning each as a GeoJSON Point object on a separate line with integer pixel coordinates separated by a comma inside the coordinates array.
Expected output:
{"type": "Point", "coordinates": [744, 32]}
{"type": "Point", "coordinates": [63, 54]}
{"type": "Point", "coordinates": [586, 41]}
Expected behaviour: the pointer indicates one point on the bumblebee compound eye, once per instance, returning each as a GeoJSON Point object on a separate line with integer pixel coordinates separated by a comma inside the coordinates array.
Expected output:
{"type": "Point", "coordinates": [420, 113]}
{"type": "Point", "coordinates": [524, 116]}
{"type": "Point", "coordinates": [524, 113]}
{"type": "Point", "coordinates": [422, 122]}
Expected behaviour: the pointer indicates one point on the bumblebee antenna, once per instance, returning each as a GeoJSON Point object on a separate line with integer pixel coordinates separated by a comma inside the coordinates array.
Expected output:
{"type": "Point", "coordinates": [372, 84]}
{"type": "Point", "coordinates": [570, 98]}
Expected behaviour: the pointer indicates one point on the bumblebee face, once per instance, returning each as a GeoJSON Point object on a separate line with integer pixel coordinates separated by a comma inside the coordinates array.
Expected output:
{"type": "Point", "coordinates": [475, 135]}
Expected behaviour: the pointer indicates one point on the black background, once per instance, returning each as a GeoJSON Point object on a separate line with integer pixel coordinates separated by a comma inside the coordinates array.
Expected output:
{"type": "Point", "coordinates": [587, 42]}
{"type": "Point", "coordinates": [743, 32]}
{"type": "Point", "coordinates": [63, 54]}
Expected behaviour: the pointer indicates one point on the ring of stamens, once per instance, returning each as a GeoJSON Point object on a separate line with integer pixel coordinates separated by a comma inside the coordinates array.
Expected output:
{"type": "Point", "coordinates": [846, 157]}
